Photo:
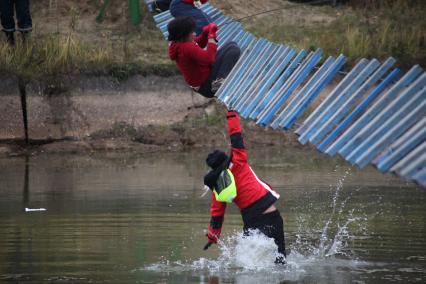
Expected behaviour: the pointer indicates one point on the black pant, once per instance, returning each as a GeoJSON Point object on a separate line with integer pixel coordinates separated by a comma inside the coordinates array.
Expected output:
{"type": "Point", "coordinates": [226, 58]}
{"type": "Point", "coordinates": [7, 10]}
{"type": "Point", "coordinates": [272, 226]}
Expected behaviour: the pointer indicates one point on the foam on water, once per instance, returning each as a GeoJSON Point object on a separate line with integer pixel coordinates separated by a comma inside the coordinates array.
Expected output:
{"type": "Point", "coordinates": [251, 258]}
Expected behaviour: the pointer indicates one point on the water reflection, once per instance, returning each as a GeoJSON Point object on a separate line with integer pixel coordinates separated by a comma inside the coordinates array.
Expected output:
{"type": "Point", "coordinates": [26, 192]}
{"type": "Point", "coordinates": [110, 216]}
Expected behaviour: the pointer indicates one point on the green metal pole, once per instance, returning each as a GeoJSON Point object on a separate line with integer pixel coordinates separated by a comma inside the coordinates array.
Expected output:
{"type": "Point", "coordinates": [134, 12]}
{"type": "Point", "coordinates": [101, 14]}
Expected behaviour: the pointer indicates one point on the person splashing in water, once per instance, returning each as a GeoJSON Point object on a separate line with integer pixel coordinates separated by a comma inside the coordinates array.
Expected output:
{"type": "Point", "coordinates": [203, 66]}
{"type": "Point", "coordinates": [231, 179]}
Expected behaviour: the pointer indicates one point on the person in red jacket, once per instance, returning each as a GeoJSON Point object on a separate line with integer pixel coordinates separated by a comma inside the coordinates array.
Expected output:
{"type": "Point", "coordinates": [203, 66]}
{"type": "Point", "coordinates": [254, 197]}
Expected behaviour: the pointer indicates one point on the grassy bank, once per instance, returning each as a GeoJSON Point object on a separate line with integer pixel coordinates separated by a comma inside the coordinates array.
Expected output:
{"type": "Point", "coordinates": [52, 55]}
{"type": "Point", "coordinates": [358, 29]}
{"type": "Point", "coordinates": [72, 42]}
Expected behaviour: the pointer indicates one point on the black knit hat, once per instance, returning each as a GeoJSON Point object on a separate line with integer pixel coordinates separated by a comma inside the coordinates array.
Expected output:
{"type": "Point", "coordinates": [180, 28]}
{"type": "Point", "coordinates": [216, 159]}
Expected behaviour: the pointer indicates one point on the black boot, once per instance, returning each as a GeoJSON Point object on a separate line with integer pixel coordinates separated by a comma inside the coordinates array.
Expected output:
{"type": "Point", "coordinates": [26, 35]}
{"type": "Point", "coordinates": [10, 38]}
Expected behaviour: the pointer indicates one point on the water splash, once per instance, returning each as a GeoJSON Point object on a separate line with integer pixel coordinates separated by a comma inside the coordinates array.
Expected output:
{"type": "Point", "coordinates": [332, 238]}
{"type": "Point", "coordinates": [237, 252]}
{"type": "Point", "coordinates": [251, 260]}
{"type": "Point", "coordinates": [334, 246]}
{"type": "Point", "coordinates": [243, 259]}
{"type": "Point", "coordinates": [313, 249]}
{"type": "Point", "coordinates": [254, 252]}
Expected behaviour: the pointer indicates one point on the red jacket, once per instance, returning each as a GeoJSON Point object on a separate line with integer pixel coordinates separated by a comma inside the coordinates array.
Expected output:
{"type": "Point", "coordinates": [193, 61]}
{"type": "Point", "coordinates": [192, 1]}
{"type": "Point", "coordinates": [250, 189]}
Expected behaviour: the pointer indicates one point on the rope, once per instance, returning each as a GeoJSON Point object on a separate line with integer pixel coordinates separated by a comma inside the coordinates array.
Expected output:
{"type": "Point", "coordinates": [272, 10]}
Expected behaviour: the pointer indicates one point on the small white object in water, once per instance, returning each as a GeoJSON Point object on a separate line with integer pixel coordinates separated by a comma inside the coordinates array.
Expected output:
{"type": "Point", "coordinates": [34, 209]}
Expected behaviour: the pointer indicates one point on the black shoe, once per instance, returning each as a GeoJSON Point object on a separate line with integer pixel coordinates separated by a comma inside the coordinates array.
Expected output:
{"type": "Point", "coordinates": [10, 38]}
{"type": "Point", "coordinates": [155, 9]}
{"type": "Point", "coordinates": [216, 84]}
{"type": "Point", "coordinates": [280, 260]}
{"type": "Point", "coordinates": [25, 36]}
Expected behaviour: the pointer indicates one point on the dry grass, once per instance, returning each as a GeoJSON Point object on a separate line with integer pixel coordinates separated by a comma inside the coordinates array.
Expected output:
{"type": "Point", "coordinates": [375, 29]}
{"type": "Point", "coordinates": [71, 41]}
{"type": "Point", "coordinates": [51, 55]}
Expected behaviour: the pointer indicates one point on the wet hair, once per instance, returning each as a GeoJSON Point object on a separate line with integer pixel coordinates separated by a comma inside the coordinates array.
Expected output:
{"type": "Point", "coordinates": [180, 28]}
{"type": "Point", "coordinates": [217, 159]}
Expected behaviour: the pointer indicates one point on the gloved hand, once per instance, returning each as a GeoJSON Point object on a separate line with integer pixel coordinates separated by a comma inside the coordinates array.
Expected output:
{"type": "Point", "coordinates": [212, 30]}
{"type": "Point", "coordinates": [234, 125]}
{"type": "Point", "coordinates": [231, 113]}
{"type": "Point", "coordinates": [212, 236]}
{"type": "Point", "coordinates": [206, 29]}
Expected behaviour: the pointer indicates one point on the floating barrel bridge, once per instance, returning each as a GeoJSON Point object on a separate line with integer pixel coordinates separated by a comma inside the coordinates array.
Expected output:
{"type": "Point", "coordinates": [375, 114]}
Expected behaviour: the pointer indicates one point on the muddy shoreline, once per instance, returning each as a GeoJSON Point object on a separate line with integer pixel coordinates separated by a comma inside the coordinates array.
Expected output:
{"type": "Point", "coordinates": [143, 114]}
{"type": "Point", "coordinates": [169, 141]}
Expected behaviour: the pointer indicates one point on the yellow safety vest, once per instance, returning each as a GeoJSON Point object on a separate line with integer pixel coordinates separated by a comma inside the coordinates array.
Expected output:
{"type": "Point", "coordinates": [226, 190]}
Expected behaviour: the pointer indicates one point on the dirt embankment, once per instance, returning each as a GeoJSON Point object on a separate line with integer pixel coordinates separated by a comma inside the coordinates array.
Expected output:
{"type": "Point", "coordinates": [90, 113]}
{"type": "Point", "coordinates": [142, 114]}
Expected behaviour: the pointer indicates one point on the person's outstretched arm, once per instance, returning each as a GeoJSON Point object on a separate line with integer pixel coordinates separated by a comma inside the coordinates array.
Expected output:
{"type": "Point", "coordinates": [238, 151]}
{"type": "Point", "coordinates": [217, 212]}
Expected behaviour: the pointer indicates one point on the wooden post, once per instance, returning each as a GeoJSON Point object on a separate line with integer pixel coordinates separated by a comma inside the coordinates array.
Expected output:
{"type": "Point", "coordinates": [23, 94]}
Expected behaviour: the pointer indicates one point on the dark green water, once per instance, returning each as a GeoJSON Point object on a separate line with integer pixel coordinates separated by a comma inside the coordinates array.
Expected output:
{"type": "Point", "coordinates": [121, 218]}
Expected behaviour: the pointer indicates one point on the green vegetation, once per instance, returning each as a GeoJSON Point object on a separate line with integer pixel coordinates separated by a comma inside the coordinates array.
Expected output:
{"type": "Point", "coordinates": [363, 29]}
{"type": "Point", "coordinates": [51, 55]}
{"type": "Point", "coordinates": [120, 52]}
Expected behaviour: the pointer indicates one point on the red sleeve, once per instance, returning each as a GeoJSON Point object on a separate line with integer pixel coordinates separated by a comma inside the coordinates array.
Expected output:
{"type": "Point", "coordinates": [202, 39]}
{"type": "Point", "coordinates": [238, 151]}
{"type": "Point", "coordinates": [200, 55]}
{"type": "Point", "coordinates": [217, 208]}
{"type": "Point", "coordinates": [191, 2]}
